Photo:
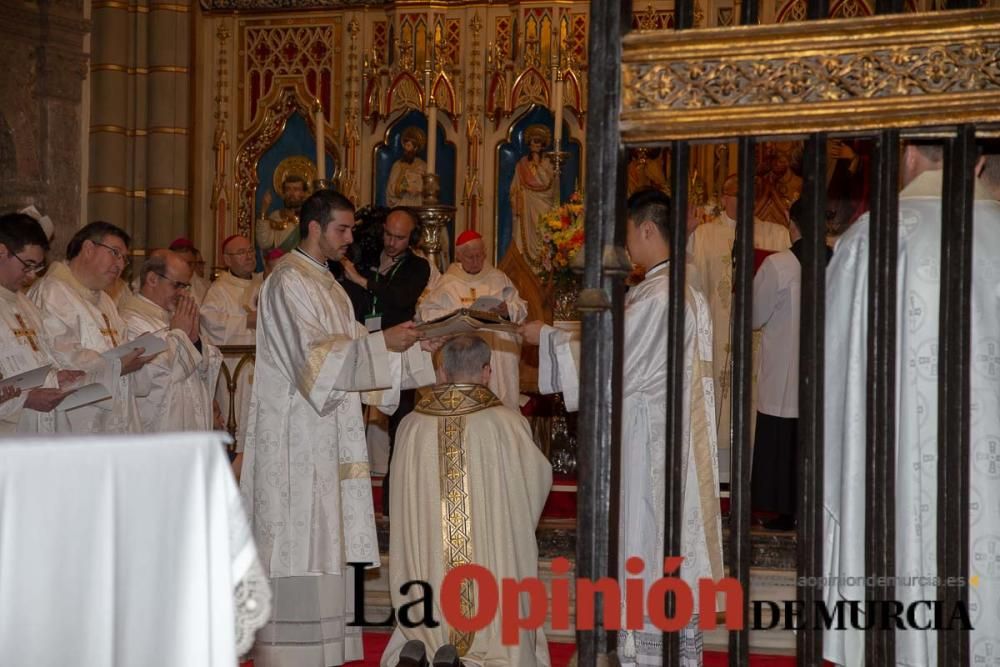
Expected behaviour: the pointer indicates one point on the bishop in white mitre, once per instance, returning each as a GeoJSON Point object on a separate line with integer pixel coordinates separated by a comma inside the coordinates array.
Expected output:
{"type": "Point", "coordinates": [916, 461]}
{"type": "Point", "coordinates": [305, 473]}
{"type": "Point", "coordinates": [643, 453]}
{"type": "Point", "coordinates": [82, 323]}
{"type": "Point", "coordinates": [710, 254]}
{"type": "Point", "coordinates": [181, 380]}
{"type": "Point", "coordinates": [467, 280]}
{"type": "Point", "coordinates": [229, 317]}
{"type": "Point", "coordinates": [23, 346]}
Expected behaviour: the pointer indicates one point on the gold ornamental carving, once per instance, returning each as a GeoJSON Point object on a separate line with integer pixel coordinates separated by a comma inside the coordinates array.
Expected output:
{"type": "Point", "coordinates": [856, 74]}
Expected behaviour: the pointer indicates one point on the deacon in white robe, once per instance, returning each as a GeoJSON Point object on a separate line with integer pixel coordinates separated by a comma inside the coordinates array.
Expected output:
{"type": "Point", "coordinates": [710, 254]}
{"type": "Point", "coordinates": [468, 280]}
{"type": "Point", "coordinates": [82, 323]}
{"type": "Point", "coordinates": [644, 437]}
{"type": "Point", "coordinates": [305, 474]}
{"type": "Point", "coordinates": [916, 462]}
{"type": "Point", "coordinates": [229, 317]}
{"type": "Point", "coordinates": [469, 485]}
{"type": "Point", "coordinates": [23, 346]}
{"type": "Point", "coordinates": [182, 378]}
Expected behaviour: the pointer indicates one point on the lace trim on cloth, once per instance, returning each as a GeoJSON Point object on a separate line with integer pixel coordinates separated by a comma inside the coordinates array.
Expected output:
{"type": "Point", "coordinates": [643, 648]}
{"type": "Point", "coordinates": [252, 602]}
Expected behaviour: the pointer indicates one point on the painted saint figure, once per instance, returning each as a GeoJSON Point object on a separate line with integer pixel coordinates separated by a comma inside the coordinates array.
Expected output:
{"type": "Point", "coordinates": [406, 178]}
{"type": "Point", "coordinates": [280, 229]}
{"type": "Point", "coordinates": [532, 191]}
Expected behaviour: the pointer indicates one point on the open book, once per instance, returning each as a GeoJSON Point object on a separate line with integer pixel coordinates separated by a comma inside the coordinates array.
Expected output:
{"type": "Point", "coordinates": [465, 320]}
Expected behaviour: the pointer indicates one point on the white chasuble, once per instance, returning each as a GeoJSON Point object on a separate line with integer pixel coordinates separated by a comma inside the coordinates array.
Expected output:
{"type": "Point", "coordinates": [471, 487]}
{"type": "Point", "coordinates": [457, 289]}
{"type": "Point", "coordinates": [24, 347]}
{"type": "Point", "coordinates": [710, 254]}
{"type": "Point", "coordinates": [916, 461]}
{"type": "Point", "coordinates": [82, 324]}
{"type": "Point", "coordinates": [644, 437]}
{"type": "Point", "coordinates": [178, 395]}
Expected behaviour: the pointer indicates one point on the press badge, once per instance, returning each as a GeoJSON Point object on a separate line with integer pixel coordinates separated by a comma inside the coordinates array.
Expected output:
{"type": "Point", "coordinates": [373, 323]}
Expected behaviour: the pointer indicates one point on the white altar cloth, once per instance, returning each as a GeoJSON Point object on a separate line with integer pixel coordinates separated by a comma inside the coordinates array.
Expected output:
{"type": "Point", "coordinates": [125, 551]}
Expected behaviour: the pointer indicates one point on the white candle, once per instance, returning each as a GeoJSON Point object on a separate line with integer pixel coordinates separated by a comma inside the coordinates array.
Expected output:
{"type": "Point", "coordinates": [432, 123]}
{"type": "Point", "coordinates": [559, 112]}
{"type": "Point", "coordinates": [320, 145]}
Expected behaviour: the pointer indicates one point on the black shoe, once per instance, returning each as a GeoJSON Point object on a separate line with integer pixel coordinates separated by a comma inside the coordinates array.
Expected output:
{"type": "Point", "coordinates": [447, 656]}
{"type": "Point", "coordinates": [784, 522]}
{"type": "Point", "coordinates": [413, 654]}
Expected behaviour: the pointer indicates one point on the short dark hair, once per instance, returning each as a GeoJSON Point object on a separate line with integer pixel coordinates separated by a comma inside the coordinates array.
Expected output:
{"type": "Point", "coordinates": [154, 264]}
{"type": "Point", "coordinates": [293, 178]}
{"type": "Point", "coordinates": [95, 232]}
{"type": "Point", "coordinates": [320, 207]}
{"type": "Point", "coordinates": [18, 230]}
{"type": "Point", "coordinates": [652, 204]}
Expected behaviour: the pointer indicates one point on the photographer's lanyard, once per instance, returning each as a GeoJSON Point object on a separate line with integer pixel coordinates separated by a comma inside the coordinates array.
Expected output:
{"type": "Point", "coordinates": [374, 320]}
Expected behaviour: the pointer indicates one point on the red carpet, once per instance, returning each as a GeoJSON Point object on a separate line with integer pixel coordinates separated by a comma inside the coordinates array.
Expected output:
{"type": "Point", "coordinates": [561, 653]}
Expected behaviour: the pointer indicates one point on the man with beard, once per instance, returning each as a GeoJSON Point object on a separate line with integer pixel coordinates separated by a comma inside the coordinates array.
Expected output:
{"type": "Point", "coordinates": [406, 178]}
{"type": "Point", "coordinates": [181, 380]}
{"type": "Point", "coordinates": [305, 474]}
{"type": "Point", "coordinates": [280, 229]}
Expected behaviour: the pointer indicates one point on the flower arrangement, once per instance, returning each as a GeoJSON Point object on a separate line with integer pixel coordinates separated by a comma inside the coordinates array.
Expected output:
{"type": "Point", "coordinates": [561, 233]}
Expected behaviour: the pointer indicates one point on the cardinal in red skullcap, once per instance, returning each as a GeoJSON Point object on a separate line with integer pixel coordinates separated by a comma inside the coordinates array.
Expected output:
{"type": "Point", "coordinates": [472, 282]}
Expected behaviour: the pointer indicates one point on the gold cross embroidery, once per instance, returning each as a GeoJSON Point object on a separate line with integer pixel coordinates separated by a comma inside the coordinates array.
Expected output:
{"type": "Point", "coordinates": [109, 332]}
{"type": "Point", "coordinates": [26, 333]}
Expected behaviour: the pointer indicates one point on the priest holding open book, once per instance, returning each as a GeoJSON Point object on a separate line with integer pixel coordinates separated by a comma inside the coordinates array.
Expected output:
{"type": "Point", "coordinates": [473, 284]}
{"type": "Point", "coordinates": [86, 332]}
{"type": "Point", "coordinates": [28, 375]}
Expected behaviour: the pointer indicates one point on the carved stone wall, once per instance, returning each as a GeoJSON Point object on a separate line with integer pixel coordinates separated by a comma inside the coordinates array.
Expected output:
{"type": "Point", "coordinates": [43, 67]}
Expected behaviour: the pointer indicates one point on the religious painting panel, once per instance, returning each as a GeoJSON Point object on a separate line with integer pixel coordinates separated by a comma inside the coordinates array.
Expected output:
{"type": "Point", "coordinates": [400, 162]}
{"type": "Point", "coordinates": [285, 173]}
{"type": "Point", "coordinates": [526, 179]}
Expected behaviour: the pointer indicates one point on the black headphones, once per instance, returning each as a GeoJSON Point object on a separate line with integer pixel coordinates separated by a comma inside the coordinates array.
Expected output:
{"type": "Point", "coordinates": [418, 226]}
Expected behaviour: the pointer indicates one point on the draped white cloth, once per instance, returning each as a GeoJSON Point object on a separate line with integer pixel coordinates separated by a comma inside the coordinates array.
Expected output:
{"type": "Point", "coordinates": [80, 324]}
{"type": "Point", "coordinates": [126, 550]}
{"type": "Point", "coordinates": [710, 254]}
{"type": "Point", "coordinates": [916, 461]}
{"type": "Point", "coordinates": [458, 289]}
{"type": "Point", "coordinates": [643, 462]}
{"type": "Point", "coordinates": [180, 381]}
{"type": "Point", "coordinates": [305, 472]}
{"type": "Point", "coordinates": [24, 347]}
{"type": "Point", "coordinates": [468, 482]}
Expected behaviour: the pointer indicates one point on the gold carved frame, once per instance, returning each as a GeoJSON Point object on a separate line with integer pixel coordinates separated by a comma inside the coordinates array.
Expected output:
{"type": "Point", "coordinates": [832, 75]}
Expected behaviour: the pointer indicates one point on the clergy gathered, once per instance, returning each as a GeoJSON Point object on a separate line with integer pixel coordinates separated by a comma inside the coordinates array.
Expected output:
{"type": "Point", "coordinates": [296, 362]}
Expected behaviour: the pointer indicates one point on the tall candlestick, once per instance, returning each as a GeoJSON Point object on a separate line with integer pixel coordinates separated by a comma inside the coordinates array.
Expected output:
{"type": "Point", "coordinates": [320, 142]}
{"type": "Point", "coordinates": [432, 118]}
{"type": "Point", "coordinates": [557, 139]}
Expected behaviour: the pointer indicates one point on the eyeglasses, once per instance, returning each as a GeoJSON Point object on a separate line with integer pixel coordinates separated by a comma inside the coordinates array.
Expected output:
{"type": "Point", "coordinates": [118, 254]}
{"type": "Point", "coordinates": [30, 267]}
{"type": "Point", "coordinates": [176, 283]}
{"type": "Point", "coordinates": [246, 252]}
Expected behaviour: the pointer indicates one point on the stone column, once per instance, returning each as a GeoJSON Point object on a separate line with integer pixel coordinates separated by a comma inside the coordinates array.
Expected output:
{"type": "Point", "coordinates": [43, 67]}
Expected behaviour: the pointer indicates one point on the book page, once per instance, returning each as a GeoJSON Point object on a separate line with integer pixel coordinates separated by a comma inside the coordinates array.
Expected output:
{"type": "Point", "coordinates": [85, 395]}
{"type": "Point", "coordinates": [151, 343]}
{"type": "Point", "coordinates": [29, 379]}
